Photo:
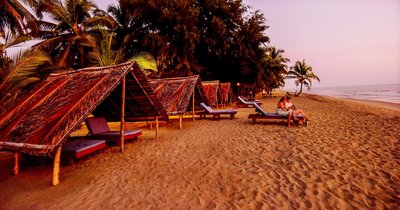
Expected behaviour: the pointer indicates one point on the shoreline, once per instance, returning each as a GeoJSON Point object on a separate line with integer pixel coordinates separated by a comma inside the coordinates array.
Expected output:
{"type": "Point", "coordinates": [374, 103]}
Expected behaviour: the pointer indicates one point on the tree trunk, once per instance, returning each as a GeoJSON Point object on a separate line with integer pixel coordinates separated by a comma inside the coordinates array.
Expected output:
{"type": "Point", "coordinates": [301, 89]}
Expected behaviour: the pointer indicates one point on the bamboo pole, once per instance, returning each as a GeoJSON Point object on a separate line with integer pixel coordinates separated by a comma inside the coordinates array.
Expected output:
{"type": "Point", "coordinates": [25, 145]}
{"type": "Point", "coordinates": [122, 128]}
{"type": "Point", "coordinates": [56, 168]}
{"type": "Point", "coordinates": [193, 104]}
{"type": "Point", "coordinates": [180, 121]}
{"type": "Point", "coordinates": [157, 127]}
{"type": "Point", "coordinates": [16, 163]}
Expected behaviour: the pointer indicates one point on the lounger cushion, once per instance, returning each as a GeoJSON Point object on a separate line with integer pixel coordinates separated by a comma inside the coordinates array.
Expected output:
{"type": "Point", "coordinates": [97, 125]}
{"type": "Point", "coordinates": [226, 111]}
{"type": "Point", "coordinates": [221, 111]}
{"type": "Point", "coordinates": [115, 135]}
{"type": "Point", "coordinates": [79, 148]}
{"type": "Point", "coordinates": [249, 102]}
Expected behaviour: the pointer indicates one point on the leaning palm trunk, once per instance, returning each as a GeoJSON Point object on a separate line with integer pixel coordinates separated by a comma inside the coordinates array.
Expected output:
{"type": "Point", "coordinates": [301, 89]}
{"type": "Point", "coordinates": [303, 75]}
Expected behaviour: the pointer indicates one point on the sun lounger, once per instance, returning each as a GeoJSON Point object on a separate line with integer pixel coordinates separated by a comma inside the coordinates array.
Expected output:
{"type": "Point", "coordinates": [261, 114]}
{"type": "Point", "coordinates": [216, 113]}
{"type": "Point", "coordinates": [243, 103]}
{"type": "Point", "coordinates": [99, 129]}
{"type": "Point", "coordinates": [77, 148]}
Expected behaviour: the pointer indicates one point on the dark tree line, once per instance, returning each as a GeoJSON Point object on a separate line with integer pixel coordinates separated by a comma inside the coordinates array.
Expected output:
{"type": "Point", "coordinates": [218, 39]}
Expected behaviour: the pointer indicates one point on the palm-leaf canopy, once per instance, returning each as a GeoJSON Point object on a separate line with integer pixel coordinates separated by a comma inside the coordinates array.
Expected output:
{"type": "Point", "coordinates": [43, 120]}
{"type": "Point", "coordinates": [212, 91]}
{"type": "Point", "coordinates": [176, 93]}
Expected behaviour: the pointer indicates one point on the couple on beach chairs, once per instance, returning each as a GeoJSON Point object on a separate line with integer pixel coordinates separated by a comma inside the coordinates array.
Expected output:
{"type": "Point", "coordinates": [285, 108]}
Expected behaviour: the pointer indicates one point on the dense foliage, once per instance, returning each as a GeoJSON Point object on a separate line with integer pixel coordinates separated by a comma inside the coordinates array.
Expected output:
{"type": "Point", "coordinates": [218, 39]}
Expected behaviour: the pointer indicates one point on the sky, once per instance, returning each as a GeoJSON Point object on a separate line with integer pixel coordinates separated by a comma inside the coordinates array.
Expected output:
{"type": "Point", "coordinates": [347, 42]}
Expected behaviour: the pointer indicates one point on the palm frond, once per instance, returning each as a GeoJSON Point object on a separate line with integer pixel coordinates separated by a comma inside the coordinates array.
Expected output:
{"type": "Point", "coordinates": [146, 62]}
{"type": "Point", "coordinates": [24, 67]}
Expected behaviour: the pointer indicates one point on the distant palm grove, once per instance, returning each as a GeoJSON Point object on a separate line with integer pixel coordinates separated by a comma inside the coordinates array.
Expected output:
{"type": "Point", "coordinates": [217, 39]}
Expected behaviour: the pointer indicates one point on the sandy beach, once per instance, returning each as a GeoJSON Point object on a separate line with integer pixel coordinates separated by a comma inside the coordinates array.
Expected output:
{"type": "Point", "coordinates": [347, 158]}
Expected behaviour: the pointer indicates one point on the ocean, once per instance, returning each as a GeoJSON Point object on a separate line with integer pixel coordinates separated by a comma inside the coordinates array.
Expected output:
{"type": "Point", "coordinates": [386, 93]}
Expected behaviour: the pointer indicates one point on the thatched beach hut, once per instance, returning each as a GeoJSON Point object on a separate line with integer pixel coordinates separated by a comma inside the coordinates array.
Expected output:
{"type": "Point", "coordinates": [41, 122]}
{"type": "Point", "coordinates": [179, 94]}
{"type": "Point", "coordinates": [212, 91]}
{"type": "Point", "coordinates": [226, 92]}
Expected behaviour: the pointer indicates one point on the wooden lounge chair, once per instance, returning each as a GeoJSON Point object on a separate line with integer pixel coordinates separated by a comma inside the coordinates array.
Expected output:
{"type": "Point", "coordinates": [261, 114]}
{"type": "Point", "coordinates": [216, 113]}
{"type": "Point", "coordinates": [243, 103]}
{"type": "Point", "coordinates": [77, 148]}
{"type": "Point", "coordinates": [98, 129]}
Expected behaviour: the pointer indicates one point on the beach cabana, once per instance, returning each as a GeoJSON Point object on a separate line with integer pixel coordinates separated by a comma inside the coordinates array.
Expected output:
{"type": "Point", "coordinates": [226, 92]}
{"type": "Point", "coordinates": [41, 122]}
{"type": "Point", "coordinates": [141, 102]}
{"type": "Point", "coordinates": [179, 94]}
{"type": "Point", "coordinates": [212, 91]}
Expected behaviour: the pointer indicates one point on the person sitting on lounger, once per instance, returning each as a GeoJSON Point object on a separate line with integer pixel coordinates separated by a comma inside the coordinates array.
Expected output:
{"type": "Point", "coordinates": [281, 109]}
{"type": "Point", "coordinates": [295, 111]}
{"type": "Point", "coordinates": [288, 103]}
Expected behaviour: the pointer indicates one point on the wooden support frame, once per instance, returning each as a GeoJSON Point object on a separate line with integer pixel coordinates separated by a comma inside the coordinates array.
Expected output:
{"type": "Point", "coordinates": [157, 127]}
{"type": "Point", "coordinates": [56, 167]}
{"type": "Point", "coordinates": [180, 121]}
{"type": "Point", "coordinates": [194, 91]}
{"type": "Point", "coordinates": [122, 128]}
{"type": "Point", "coordinates": [17, 156]}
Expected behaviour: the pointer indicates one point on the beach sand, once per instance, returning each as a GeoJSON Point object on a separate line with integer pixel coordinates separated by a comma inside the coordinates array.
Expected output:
{"type": "Point", "coordinates": [347, 158]}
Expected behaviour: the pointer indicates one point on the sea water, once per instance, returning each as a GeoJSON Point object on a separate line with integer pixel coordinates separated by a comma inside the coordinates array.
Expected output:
{"type": "Point", "coordinates": [386, 93]}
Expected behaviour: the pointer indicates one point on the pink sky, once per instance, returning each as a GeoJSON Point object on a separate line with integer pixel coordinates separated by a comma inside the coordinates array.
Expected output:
{"type": "Point", "coordinates": [347, 42]}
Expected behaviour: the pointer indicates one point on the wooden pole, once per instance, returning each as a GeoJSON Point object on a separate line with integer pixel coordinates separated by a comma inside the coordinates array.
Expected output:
{"type": "Point", "coordinates": [193, 104]}
{"type": "Point", "coordinates": [122, 129]}
{"type": "Point", "coordinates": [157, 127]}
{"type": "Point", "coordinates": [16, 163]}
{"type": "Point", "coordinates": [56, 168]}
{"type": "Point", "coordinates": [180, 121]}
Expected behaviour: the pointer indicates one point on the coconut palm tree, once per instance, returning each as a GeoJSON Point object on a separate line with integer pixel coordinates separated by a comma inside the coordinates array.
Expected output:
{"type": "Point", "coordinates": [70, 39]}
{"type": "Point", "coordinates": [106, 53]}
{"type": "Point", "coordinates": [114, 41]}
{"type": "Point", "coordinates": [26, 69]}
{"type": "Point", "coordinates": [274, 68]}
{"type": "Point", "coordinates": [303, 75]}
{"type": "Point", "coordinates": [17, 18]}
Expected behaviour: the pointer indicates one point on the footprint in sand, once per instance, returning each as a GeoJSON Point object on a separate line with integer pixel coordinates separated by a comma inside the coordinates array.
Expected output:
{"type": "Point", "coordinates": [274, 175]}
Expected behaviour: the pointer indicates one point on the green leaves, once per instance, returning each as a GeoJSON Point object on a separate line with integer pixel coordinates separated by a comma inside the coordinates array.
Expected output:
{"type": "Point", "coordinates": [146, 62]}
{"type": "Point", "coordinates": [70, 41]}
{"type": "Point", "coordinates": [303, 75]}
{"type": "Point", "coordinates": [25, 69]}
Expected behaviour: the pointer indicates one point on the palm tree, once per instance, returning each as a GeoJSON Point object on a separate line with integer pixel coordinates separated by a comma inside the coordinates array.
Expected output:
{"type": "Point", "coordinates": [70, 39]}
{"type": "Point", "coordinates": [274, 69]}
{"type": "Point", "coordinates": [114, 45]}
{"type": "Point", "coordinates": [26, 69]}
{"type": "Point", "coordinates": [16, 18]}
{"type": "Point", "coordinates": [106, 54]}
{"type": "Point", "coordinates": [303, 75]}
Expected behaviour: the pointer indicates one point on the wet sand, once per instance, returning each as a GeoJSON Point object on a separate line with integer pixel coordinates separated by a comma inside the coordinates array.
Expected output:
{"type": "Point", "coordinates": [347, 158]}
